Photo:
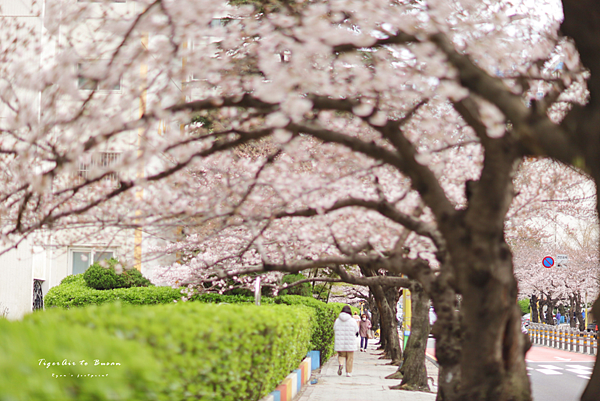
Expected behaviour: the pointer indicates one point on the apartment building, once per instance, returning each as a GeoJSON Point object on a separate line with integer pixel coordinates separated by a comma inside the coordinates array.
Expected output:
{"type": "Point", "coordinates": [43, 259]}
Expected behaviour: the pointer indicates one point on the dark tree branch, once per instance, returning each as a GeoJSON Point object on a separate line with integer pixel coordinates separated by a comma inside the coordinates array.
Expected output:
{"type": "Point", "coordinates": [536, 132]}
{"type": "Point", "coordinates": [400, 38]}
{"type": "Point", "coordinates": [422, 178]}
{"type": "Point", "coordinates": [125, 186]}
{"type": "Point", "coordinates": [385, 208]}
{"type": "Point", "coordinates": [352, 279]}
{"type": "Point", "coordinates": [369, 149]}
{"type": "Point", "coordinates": [247, 101]}
{"type": "Point", "coordinates": [468, 110]}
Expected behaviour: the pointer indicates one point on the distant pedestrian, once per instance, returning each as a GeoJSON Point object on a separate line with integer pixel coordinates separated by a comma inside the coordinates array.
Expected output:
{"type": "Point", "coordinates": [363, 330]}
{"type": "Point", "coordinates": [356, 318]}
{"type": "Point", "coordinates": [346, 332]}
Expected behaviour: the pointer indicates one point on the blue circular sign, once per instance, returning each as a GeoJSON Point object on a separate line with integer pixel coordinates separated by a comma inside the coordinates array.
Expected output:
{"type": "Point", "coordinates": [548, 262]}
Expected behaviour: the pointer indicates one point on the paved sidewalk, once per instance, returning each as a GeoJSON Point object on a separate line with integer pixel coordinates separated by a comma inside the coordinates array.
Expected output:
{"type": "Point", "coordinates": [367, 382]}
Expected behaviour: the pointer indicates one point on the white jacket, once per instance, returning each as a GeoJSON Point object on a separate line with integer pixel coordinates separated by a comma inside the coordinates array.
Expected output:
{"type": "Point", "coordinates": [346, 330]}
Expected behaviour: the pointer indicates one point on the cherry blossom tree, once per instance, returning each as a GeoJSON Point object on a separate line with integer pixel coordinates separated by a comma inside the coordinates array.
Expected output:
{"type": "Point", "coordinates": [554, 213]}
{"type": "Point", "coordinates": [349, 115]}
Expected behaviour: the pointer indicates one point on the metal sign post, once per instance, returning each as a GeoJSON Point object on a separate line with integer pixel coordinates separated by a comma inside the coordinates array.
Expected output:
{"type": "Point", "coordinates": [257, 291]}
{"type": "Point", "coordinates": [585, 308]}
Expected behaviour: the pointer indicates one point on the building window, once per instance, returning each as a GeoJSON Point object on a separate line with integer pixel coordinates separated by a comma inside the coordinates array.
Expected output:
{"type": "Point", "coordinates": [87, 81]}
{"type": "Point", "coordinates": [102, 161]}
{"type": "Point", "coordinates": [82, 259]}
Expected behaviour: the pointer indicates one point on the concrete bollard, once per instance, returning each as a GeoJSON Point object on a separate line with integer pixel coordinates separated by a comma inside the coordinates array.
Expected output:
{"type": "Point", "coordinates": [560, 339]}
{"type": "Point", "coordinates": [571, 340]}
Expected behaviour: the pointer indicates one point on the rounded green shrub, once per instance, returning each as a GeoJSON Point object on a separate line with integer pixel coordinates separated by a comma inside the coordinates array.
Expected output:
{"type": "Point", "coordinates": [524, 306]}
{"type": "Point", "coordinates": [135, 278]}
{"type": "Point", "coordinates": [77, 278]}
{"type": "Point", "coordinates": [104, 276]}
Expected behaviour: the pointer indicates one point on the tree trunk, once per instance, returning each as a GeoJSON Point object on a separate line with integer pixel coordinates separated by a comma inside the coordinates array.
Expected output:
{"type": "Point", "coordinates": [388, 335]}
{"type": "Point", "coordinates": [413, 370]}
{"type": "Point", "coordinates": [534, 309]}
{"type": "Point", "coordinates": [383, 326]}
{"type": "Point", "coordinates": [572, 319]}
{"type": "Point", "coordinates": [447, 333]}
{"type": "Point", "coordinates": [578, 311]}
{"type": "Point", "coordinates": [547, 307]}
{"type": "Point", "coordinates": [388, 322]}
{"type": "Point", "coordinates": [541, 305]}
{"type": "Point", "coordinates": [375, 318]}
{"type": "Point", "coordinates": [550, 304]}
{"type": "Point", "coordinates": [493, 347]}
{"type": "Point", "coordinates": [392, 294]}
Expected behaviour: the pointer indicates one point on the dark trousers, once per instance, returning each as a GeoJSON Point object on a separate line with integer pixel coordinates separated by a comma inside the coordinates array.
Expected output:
{"type": "Point", "coordinates": [364, 340]}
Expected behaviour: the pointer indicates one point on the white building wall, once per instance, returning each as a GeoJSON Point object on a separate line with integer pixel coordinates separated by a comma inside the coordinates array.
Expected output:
{"type": "Point", "coordinates": [16, 281]}
{"type": "Point", "coordinates": [59, 260]}
{"type": "Point", "coordinates": [19, 266]}
{"type": "Point", "coordinates": [49, 260]}
{"type": "Point", "coordinates": [150, 242]}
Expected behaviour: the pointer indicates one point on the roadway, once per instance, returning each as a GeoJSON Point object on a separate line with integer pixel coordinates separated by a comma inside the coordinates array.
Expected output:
{"type": "Point", "coordinates": [558, 375]}
{"type": "Point", "coordinates": [555, 375]}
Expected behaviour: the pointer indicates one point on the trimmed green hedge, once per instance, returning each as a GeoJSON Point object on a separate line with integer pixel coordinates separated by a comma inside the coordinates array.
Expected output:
{"type": "Point", "coordinates": [73, 291]}
{"type": "Point", "coordinates": [207, 351]}
{"type": "Point", "coordinates": [25, 349]}
{"type": "Point", "coordinates": [322, 337]}
{"type": "Point", "coordinates": [211, 298]}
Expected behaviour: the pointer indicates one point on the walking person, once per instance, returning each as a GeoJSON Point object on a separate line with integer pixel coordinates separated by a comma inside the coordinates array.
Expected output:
{"type": "Point", "coordinates": [363, 330]}
{"type": "Point", "coordinates": [346, 331]}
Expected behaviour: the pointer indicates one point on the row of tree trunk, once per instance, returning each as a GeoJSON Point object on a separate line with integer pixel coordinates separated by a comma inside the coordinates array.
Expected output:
{"type": "Point", "coordinates": [542, 309]}
{"type": "Point", "coordinates": [411, 363]}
